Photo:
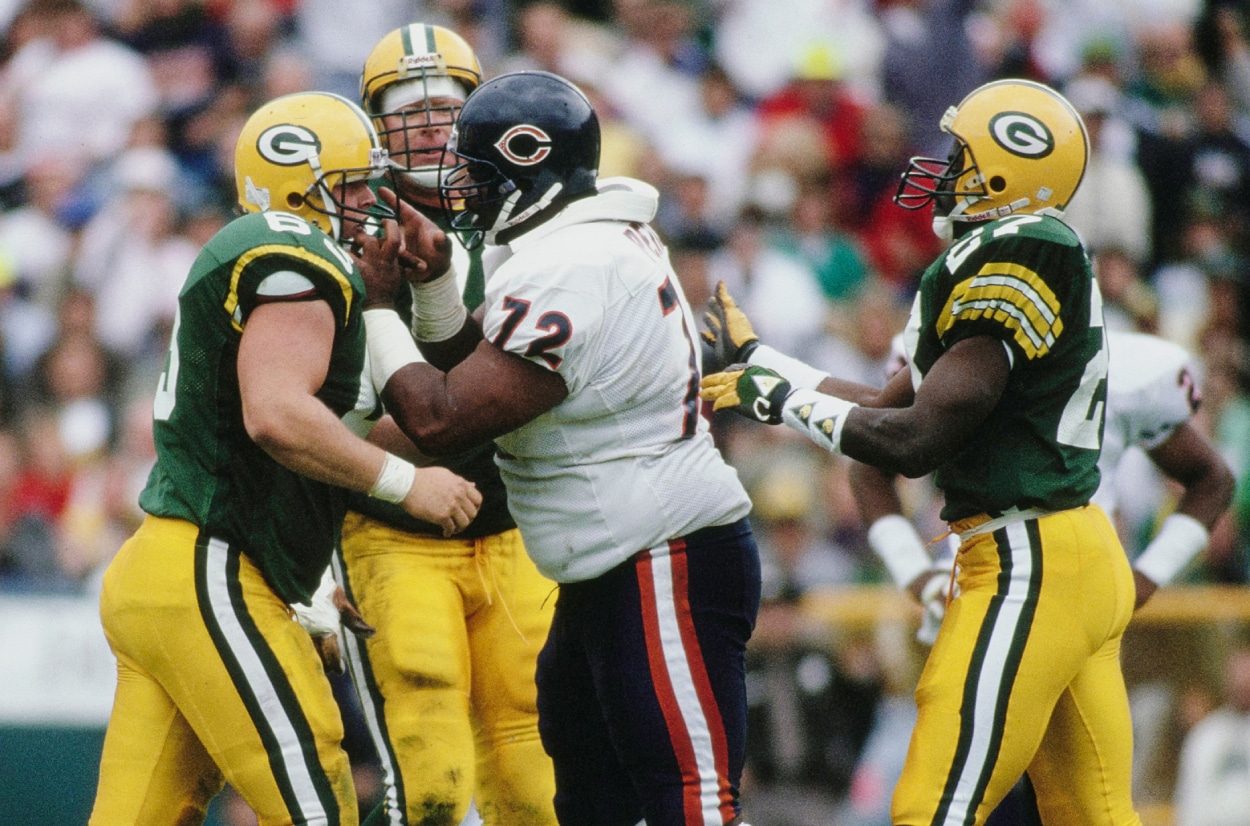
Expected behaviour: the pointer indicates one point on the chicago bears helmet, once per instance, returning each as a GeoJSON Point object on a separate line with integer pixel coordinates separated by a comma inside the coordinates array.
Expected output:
{"type": "Point", "coordinates": [1020, 147]}
{"type": "Point", "coordinates": [413, 83]}
{"type": "Point", "coordinates": [525, 142]}
{"type": "Point", "coordinates": [296, 150]}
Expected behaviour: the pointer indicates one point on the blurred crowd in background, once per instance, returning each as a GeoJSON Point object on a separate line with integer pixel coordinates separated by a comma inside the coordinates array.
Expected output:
{"type": "Point", "coordinates": [775, 130]}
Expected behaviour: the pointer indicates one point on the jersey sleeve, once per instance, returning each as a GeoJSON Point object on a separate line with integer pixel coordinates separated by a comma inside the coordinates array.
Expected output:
{"type": "Point", "coordinates": [1012, 288]}
{"type": "Point", "coordinates": [553, 321]}
{"type": "Point", "coordinates": [288, 266]}
{"type": "Point", "coordinates": [1163, 405]}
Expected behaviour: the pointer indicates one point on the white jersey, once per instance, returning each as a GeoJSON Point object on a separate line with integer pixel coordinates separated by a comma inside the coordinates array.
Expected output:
{"type": "Point", "coordinates": [625, 462]}
{"type": "Point", "coordinates": [1151, 390]}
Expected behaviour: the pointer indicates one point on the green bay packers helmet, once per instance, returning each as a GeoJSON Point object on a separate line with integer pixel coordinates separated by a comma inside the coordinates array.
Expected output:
{"type": "Point", "coordinates": [295, 151]}
{"type": "Point", "coordinates": [1020, 147]}
{"type": "Point", "coordinates": [413, 84]}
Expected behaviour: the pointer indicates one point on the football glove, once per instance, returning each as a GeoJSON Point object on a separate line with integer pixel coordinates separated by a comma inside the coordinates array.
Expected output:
{"type": "Point", "coordinates": [754, 392]}
{"type": "Point", "coordinates": [729, 337]}
{"type": "Point", "coordinates": [325, 618]}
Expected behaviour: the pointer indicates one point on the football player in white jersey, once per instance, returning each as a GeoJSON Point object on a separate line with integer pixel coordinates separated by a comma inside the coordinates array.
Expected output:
{"type": "Point", "coordinates": [584, 370]}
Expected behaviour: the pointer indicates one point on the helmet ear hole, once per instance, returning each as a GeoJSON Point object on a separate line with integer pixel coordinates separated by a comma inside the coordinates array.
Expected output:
{"type": "Point", "coordinates": [998, 183]}
{"type": "Point", "coordinates": [294, 200]}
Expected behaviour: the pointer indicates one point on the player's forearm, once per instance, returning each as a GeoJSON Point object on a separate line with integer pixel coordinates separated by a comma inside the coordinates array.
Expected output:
{"type": "Point", "coordinates": [418, 400]}
{"type": "Point", "coordinates": [448, 353]}
{"type": "Point", "coordinates": [441, 324]}
{"type": "Point", "coordinates": [1207, 497]}
{"type": "Point", "coordinates": [305, 436]}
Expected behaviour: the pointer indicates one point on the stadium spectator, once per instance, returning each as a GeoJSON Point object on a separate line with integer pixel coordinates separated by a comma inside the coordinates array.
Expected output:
{"type": "Point", "coordinates": [71, 89]}
{"type": "Point", "coordinates": [1110, 178]}
{"type": "Point", "coordinates": [1213, 786]}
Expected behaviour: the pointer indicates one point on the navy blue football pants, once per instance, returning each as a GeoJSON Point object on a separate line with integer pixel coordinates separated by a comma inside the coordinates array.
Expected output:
{"type": "Point", "coordinates": [641, 685]}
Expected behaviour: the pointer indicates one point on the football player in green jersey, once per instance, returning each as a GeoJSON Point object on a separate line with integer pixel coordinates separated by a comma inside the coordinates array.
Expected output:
{"type": "Point", "coordinates": [259, 418]}
{"type": "Point", "coordinates": [447, 683]}
{"type": "Point", "coordinates": [1004, 401]}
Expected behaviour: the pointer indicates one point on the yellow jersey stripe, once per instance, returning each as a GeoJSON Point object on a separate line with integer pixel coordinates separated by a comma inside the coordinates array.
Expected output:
{"type": "Point", "coordinates": [322, 264]}
{"type": "Point", "coordinates": [1012, 295]}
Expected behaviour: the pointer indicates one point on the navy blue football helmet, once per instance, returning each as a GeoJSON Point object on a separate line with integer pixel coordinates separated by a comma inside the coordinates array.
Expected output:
{"type": "Point", "coordinates": [526, 142]}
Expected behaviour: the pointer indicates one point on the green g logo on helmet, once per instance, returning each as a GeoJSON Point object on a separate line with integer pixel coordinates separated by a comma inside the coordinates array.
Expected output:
{"type": "Point", "coordinates": [288, 145]}
{"type": "Point", "coordinates": [1022, 134]}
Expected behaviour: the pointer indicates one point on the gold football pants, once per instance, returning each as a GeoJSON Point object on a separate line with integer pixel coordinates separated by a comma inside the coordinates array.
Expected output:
{"type": "Point", "coordinates": [1025, 675]}
{"type": "Point", "coordinates": [447, 684]}
{"type": "Point", "coordinates": [215, 680]}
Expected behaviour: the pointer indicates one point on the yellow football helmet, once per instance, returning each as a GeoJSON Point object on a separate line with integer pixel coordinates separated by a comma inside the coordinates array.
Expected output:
{"type": "Point", "coordinates": [1020, 147]}
{"type": "Point", "coordinates": [295, 152]}
{"type": "Point", "coordinates": [413, 83]}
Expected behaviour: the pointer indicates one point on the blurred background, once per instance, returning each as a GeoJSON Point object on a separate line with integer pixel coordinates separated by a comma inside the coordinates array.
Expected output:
{"type": "Point", "coordinates": [776, 131]}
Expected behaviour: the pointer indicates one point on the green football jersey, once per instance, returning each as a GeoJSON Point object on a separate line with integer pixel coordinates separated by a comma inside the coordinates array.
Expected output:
{"type": "Point", "coordinates": [208, 471]}
{"type": "Point", "coordinates": [476, 464]}
{"type": "Point", "coordinates": [1026, 280]}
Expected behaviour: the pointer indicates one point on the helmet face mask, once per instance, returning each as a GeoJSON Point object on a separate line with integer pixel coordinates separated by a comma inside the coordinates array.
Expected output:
{"type": "Point", "coordinates": [300, 153]}
{"type": "Point", "coordinates": [1020, 147]}
{"type": "Point", "coordinates": [416, 138]}
{"type": "Point", "coordinates": [413, 85]}
{"type": "Point", "coordinates": [526, 143]}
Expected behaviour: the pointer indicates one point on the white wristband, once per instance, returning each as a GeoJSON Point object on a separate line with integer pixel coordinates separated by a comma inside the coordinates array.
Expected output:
{"type": "Point", "coordinates": [394, 480]}
{"type": "Point", "coordinates": [1179, 540]}
{"type": "Point", "coordinates": [799, 374]}
{"type": "Point", "coordinates": [390, 345]}
{"type": "Point", "coordinates": [900, 548]}
{"type": "Point", "coordinates": [438, 311]}
{"type": "Point", "coordinates": [818, 416]}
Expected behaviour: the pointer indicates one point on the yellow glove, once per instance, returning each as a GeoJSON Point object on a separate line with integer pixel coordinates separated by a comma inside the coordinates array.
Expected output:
{"type": "Point", "coordinates": [729, 337]}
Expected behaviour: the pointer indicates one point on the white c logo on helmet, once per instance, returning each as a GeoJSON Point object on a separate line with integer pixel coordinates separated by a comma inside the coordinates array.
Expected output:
{"type": "Point", "coordinates": [524, 145]}
{"type": "Point", "coordinates": [287, 145]}
{"type": "Point", "coordinates": [1022, 134]}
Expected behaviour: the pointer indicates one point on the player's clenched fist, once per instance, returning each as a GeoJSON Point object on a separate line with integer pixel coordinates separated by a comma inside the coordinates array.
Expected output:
{"type": "Point", "coordinates": [437, 495]}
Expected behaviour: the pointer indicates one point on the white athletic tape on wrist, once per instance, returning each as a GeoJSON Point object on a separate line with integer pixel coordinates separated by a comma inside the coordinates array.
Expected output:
{"type": "Point", "coordinates": [438, 311]}
{"type": "Point", "coordinates": [819, 416]}
{"type": "Point", "coordinates": [799, 375]}
{"type": "Point", "coordinates": [1179, 540]}
{"type": "Point", "coordinates": [394, 480]}
{"type": "Point", "coordinates": [900, 548]}
{"type": "Point", "coordinates": [390, 345]}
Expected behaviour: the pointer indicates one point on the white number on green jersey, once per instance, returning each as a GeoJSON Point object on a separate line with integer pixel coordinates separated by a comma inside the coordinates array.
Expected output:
{"type": "Point", "coordinates": [163, 406]}
{"type": "Point", "coordinates": [1079, 426]}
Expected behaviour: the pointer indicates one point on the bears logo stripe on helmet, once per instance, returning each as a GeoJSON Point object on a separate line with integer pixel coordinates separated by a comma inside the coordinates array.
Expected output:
{"type": "Point", "coordinates": [524, 145]}
{"type": "Point", "coordinates": [1022, 134]}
